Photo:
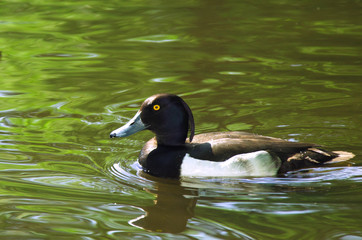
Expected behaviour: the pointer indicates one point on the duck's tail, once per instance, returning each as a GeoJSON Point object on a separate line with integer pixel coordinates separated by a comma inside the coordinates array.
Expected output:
{"type": "Point", "coordinates": [313, 157]}
{"type": "Point", "coordinates": [341, 156]}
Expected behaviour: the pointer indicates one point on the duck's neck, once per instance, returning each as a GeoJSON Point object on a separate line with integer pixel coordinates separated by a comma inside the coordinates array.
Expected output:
{"type": "Point", "coordinates": [174, 139]}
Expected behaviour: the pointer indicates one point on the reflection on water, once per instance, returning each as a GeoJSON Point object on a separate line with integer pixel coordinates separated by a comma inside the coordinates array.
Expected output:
{"type": "Point", "coordinates": [174, 206]}
{"type": "Point", "coordinates": [175, 200]}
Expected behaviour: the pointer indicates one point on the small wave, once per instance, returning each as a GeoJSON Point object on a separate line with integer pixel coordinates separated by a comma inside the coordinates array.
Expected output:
{"type": "Point", "coordinates": [129, 175]}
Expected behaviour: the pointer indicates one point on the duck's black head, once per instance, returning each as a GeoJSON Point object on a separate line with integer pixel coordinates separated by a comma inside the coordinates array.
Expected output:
{"type": "Point", "coordinates": [167, 115]}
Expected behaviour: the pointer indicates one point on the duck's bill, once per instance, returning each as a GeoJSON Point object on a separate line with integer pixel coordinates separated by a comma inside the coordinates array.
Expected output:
{"type": "Point", "coordinates": [134, 125]}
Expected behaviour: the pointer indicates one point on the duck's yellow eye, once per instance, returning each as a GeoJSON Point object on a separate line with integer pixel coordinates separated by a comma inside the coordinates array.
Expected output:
{"type": "Point", "coordinates": [156, 107]}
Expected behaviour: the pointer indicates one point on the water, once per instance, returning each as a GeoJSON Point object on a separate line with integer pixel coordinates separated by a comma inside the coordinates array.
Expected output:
{"type": "Point", "coordinates": [72, 71]}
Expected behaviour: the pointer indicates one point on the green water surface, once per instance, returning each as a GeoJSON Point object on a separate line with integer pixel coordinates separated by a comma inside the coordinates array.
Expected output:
{"type": "Point", "coordinates": [73, 71]}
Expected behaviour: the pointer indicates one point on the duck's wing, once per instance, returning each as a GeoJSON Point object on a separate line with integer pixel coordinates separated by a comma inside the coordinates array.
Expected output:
{"type": "Point", "coordinates": [221, 146]}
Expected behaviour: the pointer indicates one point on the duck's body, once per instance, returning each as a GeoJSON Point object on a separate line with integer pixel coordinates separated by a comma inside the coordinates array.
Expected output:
{"type": "Point", "coordinates": [172, 154]}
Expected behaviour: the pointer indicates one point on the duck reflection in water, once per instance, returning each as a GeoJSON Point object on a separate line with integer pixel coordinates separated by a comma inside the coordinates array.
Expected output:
{"type": "Point", "coordinates": [174, 206]}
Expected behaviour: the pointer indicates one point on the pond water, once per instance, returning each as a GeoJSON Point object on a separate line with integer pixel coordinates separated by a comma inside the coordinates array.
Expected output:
{"type": "Point", "coordinates": [73, 71]}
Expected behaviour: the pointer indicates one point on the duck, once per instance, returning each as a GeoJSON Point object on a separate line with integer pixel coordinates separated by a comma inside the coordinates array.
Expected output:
{"type": "Point", "coordinates": [177, 152]}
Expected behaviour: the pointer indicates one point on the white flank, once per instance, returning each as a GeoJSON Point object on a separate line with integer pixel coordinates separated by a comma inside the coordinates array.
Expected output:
{"type": "Point", "coordinates": [259, 163]}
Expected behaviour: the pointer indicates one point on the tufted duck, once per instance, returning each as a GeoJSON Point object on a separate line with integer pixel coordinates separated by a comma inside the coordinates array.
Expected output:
{"type": "Point", "coordinates": [171, 154]}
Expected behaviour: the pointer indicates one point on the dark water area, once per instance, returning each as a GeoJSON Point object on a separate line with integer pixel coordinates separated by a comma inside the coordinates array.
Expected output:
{"type": "Point", "coordinates": [73, 71]}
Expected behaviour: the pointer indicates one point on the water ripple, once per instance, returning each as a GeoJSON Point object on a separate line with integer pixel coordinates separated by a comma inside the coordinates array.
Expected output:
{"type": "Point", "coordinates": [68, 55]}
{"type": "Point", "coordinates": [129, 176]}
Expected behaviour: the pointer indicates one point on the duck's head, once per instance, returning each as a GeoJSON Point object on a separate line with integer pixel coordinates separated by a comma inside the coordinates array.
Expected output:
{"type": "Point", "coordinates": [167, 115]}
